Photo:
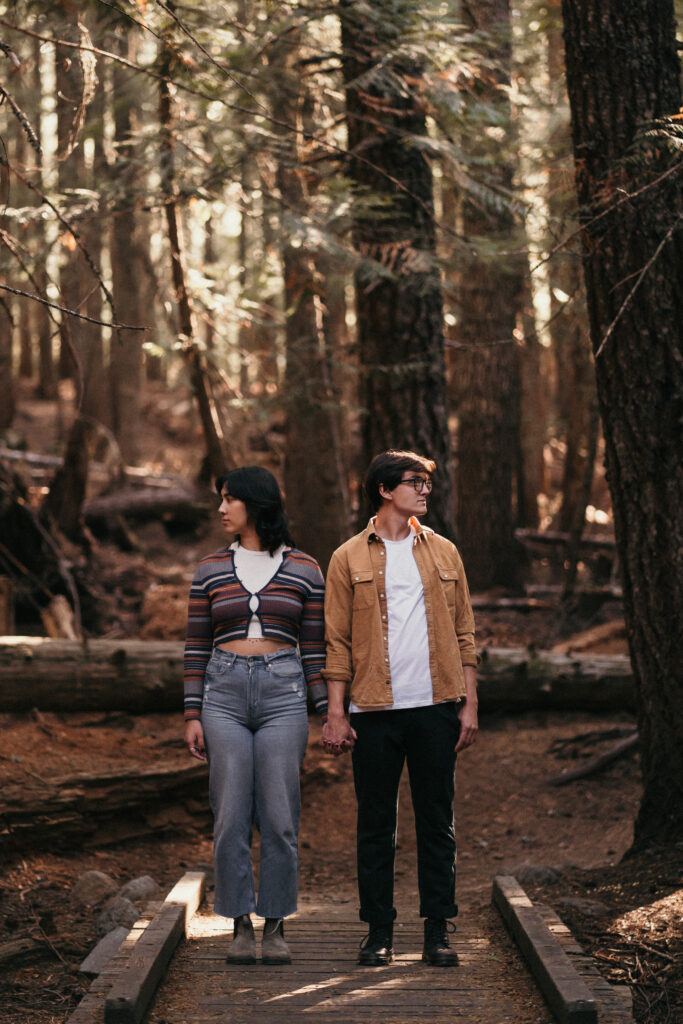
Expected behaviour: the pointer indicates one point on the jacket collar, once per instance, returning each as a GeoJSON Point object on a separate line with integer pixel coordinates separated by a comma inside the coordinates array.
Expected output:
{"type": "Point", "coordinates": [421, 531]}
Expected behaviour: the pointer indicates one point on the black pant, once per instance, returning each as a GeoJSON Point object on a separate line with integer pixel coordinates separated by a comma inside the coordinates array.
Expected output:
{"type": "Point", "coordinates": [425, 738]}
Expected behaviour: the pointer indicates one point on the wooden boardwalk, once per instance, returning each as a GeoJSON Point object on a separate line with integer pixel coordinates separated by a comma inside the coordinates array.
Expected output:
{"type": "Point", "coordinates": [324, 982]}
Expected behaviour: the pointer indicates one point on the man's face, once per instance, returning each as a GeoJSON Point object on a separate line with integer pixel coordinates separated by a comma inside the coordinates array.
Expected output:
{"type": "Point", "coordinates": [410, 496]}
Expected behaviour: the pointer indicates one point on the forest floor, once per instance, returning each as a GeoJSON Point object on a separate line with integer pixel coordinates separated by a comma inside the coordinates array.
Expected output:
{"type": "Point", "coordinates": [626, 910]}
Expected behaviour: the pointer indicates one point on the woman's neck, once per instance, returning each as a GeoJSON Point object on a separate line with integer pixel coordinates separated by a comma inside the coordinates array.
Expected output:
{"type": "Point", "coordinates": [250, 539]}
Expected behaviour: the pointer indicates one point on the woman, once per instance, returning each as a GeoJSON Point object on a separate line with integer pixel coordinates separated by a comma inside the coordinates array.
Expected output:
{"type": "Point", "coordinates": [255, 637]}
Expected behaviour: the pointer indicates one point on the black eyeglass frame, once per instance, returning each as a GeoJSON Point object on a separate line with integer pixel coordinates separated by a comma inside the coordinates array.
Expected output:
{"type": "Point", "coordinates": [419, 483]}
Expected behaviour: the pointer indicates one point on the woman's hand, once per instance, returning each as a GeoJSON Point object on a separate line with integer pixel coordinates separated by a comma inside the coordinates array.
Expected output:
{"type": "Point", "coordinates": [194, 739]}
{"type": "Point", "coordinates": [338, 736]}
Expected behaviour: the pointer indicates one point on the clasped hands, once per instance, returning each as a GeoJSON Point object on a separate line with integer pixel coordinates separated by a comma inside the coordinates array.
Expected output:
{"type": "Point", "coordinates": [338, 736]}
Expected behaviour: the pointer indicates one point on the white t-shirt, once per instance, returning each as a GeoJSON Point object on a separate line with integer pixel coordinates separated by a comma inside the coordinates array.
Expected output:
{"type": "Point", "coordinates": [254, 569]}
{"type": "Point", "coordinates": [411, 680]}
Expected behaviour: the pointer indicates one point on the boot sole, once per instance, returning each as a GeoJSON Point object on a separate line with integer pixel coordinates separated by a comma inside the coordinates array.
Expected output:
{"type": "Point", "coordinates": [376, 961]}
{"type": "Point", "coordinates": [240, 961]}
{"type": "Point", "coordinates": [451, 960]}
{"type": "Point", "coordinates": [275, 960]}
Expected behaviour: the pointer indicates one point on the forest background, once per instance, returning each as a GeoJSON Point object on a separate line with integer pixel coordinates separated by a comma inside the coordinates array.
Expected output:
{"type": "Point", "coordinates": [298, 233]}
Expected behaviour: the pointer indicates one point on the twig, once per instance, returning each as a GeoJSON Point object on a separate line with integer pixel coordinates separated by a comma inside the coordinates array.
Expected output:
{"type": "Point", "coordinates": [596, 763]}
{"type": "Point", "coordinates": [17, 760]}
{"type": "Point", "coordinates": [72, 312]}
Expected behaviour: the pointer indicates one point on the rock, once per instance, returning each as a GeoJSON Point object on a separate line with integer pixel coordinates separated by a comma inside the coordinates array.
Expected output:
{"type": "Point", "coordinates": [589, 908]}
{"type": "Point", "coordinates": [527, 873]}
{"type": "Point", "coordinates": [117, 912]}
{"type": "Point", "coordinates": [98, 957]}
{"type": "Point", "coordinates": [92, 888]}
{"type": "Point", "coordinates": [140, 889]}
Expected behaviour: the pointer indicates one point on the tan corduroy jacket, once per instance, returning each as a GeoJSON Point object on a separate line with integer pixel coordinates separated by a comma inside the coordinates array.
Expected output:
{"type": "Point", "coordinates": [356, 633]}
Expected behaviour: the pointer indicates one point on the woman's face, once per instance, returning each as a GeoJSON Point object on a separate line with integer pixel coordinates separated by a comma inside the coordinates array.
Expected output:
{"type": "Point", "coordinates": [233, 513]}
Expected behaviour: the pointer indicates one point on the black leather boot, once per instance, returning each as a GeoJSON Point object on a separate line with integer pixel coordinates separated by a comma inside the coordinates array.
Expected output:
{"type": "Point", "coordinates": [274, 949]}
{"type": "Point", "coordinates": [376, 948]}
{"type": "Point", "coordinates": [437, 951]}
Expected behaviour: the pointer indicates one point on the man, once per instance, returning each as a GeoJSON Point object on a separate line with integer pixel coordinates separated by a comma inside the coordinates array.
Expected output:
{"type": "Point", "coordinates": [400, 632]}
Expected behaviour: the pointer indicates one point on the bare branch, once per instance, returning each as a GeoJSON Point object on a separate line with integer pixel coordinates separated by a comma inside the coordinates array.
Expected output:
{"type": "Point", "coordinates": [71, 312]}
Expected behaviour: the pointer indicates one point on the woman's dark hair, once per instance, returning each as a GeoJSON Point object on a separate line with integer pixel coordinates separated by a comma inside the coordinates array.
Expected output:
{"type": "Point", "coordinates": [387, 469]}
{"type": "Point", "coordinates": [259, 490]}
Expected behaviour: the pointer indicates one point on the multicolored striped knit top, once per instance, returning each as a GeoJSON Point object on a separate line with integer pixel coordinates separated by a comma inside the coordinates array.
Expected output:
{"type": "Point", "coordinates": [290, 609]}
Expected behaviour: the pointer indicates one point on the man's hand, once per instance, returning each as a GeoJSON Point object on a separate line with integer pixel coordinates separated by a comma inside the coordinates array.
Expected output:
{"type": "Point", "coordinates": [338, 736]}
{"type": "Point", "coordinates": [469, 725]}
{"type": "Point", "coordinates": [194, 739]}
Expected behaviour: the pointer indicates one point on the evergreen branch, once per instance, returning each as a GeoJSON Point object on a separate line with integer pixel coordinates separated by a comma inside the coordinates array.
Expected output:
{"type": "Point", "coordinates": [71, 312]}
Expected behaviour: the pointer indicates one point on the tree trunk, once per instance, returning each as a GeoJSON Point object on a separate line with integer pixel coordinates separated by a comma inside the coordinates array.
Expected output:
{"type": "Point", "coordinates": [7, 400]}
{"type": "Point", "coordinates": [399, 303]}
{"type": "Point", "coordinates": [633, 263]}
{"type": "Point", "coordinates": [314, 473]}
{"type": "Point", "coordinates": [214, 462]}
{"type": "Point", "coordinates": [147, 675]}
{"type": "Point", "coordinates": [125, 360]}
{"type": "Point", "coordinates": [486, 379]}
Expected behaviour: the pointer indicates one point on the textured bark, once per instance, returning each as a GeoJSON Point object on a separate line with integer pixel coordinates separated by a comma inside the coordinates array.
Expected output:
{"type": "Point", "coordinates": [622, 71]}
{"type": "Point", "coordinates": [7, 399]}
{"type": "Point", "coordinates": [314, 474]}
{"type": "Point", "coordinates": [398, 287]}
{"type": "Point", "coordinates": [486, 380]}
{"type": "Point", "coordinates": [125, 360]}
{"type": "Point", "coordinates": [137, 676]}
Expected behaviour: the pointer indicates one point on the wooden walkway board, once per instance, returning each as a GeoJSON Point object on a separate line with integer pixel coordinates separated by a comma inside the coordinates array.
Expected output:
{"type": "Point", "coordinates": [325, 983]}
{"type": "Point", "coordinates": [558, 978]}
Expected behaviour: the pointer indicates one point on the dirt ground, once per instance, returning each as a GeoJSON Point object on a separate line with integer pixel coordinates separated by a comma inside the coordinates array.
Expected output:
{"type": "Point", "coordinates": [508, 817]}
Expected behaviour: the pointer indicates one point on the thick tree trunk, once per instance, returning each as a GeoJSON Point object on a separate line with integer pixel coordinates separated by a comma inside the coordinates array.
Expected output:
{"type": "Point", "coordinates": [623, 71]}
{"type": "Point", "coordinates": [138, 676]}
{"type": "Point", "coordinates": [398, 287]}
{"type": "Point", "coordinates": [314, 474]}
{"type": "Point", "coordinates": [485, 379]}
{"type": "Point", "coordinates": [7, 400]}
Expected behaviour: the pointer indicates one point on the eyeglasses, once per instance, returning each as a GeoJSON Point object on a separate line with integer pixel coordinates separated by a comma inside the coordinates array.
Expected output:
{"type": "Point", "coordinates": [420, 483]}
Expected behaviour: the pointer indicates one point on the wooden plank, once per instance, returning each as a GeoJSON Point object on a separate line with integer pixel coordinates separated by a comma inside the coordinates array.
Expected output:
{"type": "Point", "coordinates": [614, 1002]}
{"type": "Point", "coordinates": [565, 991]}
{"type": "Point", "coordinates": [131, 993]}
{"type": "Point", "coordinates": [189, 892]}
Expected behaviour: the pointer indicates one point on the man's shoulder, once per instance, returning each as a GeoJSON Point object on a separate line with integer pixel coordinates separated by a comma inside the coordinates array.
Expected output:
{"type": "Point", "coordinates": [353, 544]}
{"type": "Point", "coordinates": [440, 545]}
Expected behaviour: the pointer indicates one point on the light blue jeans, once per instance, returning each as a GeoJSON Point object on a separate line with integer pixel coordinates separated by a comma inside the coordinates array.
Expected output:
{"type": "Point", "coordinates": [255, 726]}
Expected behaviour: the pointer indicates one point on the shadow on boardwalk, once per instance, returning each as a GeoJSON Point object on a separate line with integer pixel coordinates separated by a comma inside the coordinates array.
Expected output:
{"type": "Point", "coordinates": [491, 985]}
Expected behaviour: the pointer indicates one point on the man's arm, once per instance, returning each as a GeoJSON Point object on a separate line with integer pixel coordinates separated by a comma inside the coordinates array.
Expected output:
{"type": "Point", "coordinates": [467, 713]}
{"type": "Point", "coordinates": [338, 735]}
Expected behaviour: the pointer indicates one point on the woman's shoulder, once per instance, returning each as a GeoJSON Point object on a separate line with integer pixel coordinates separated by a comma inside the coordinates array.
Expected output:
{"type": "Point", "coordinates": [299, 560]}
{"type": "Point", "coordinates": [215, 561]}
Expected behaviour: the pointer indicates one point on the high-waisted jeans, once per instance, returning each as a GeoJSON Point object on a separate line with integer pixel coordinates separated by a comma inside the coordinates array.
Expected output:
{"type": "Point", "coordinates": [255, 726]}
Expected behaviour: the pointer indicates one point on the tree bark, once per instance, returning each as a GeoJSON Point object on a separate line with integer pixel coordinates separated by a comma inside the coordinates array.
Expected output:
{"type": "Point", "coordinates": [314, 473]}
{"type": "Point", "coordinates": [7, 400]}
{"type": "Point", "coordinates": [399, 302]}
{"type": "Point", "coordinates": [485, 378]}
{"type": "Point", "coordinates": [138, 676]}
{"type": "Point", "coordinates": [623, 71]}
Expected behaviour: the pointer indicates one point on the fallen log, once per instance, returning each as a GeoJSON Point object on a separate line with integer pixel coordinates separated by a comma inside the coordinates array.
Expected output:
{"type": "Point", "coordinates": [105, 807]}
{"type": "Point", "coordinates": [596, 764]}
{"type": "Point", "coordinates": [521, 679]}
{"type": "Point", "coordinates": [176, 503]}
{"type": "Point", "coordinates": [553, 538]}
{"type": "Point", "coordinates": [143, 676]}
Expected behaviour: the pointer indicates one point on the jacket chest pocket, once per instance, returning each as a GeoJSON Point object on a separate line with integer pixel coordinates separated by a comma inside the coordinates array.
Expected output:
{"type": "Point", "coordinates": [364, 590]}
{"type": "Point", "coordinates": [448, 578]}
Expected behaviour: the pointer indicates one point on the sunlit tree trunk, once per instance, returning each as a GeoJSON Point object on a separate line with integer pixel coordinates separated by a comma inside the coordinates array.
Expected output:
{"type": "Point", "coordinates": [631, 197]}
{"type": "Point", "coordinates": [399, 302]}
{"type": "Point", "coordinates": [486, 375]}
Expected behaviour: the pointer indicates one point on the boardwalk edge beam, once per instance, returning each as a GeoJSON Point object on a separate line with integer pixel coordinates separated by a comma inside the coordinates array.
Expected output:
{"type": "Point", "coordinates": [565, 991]}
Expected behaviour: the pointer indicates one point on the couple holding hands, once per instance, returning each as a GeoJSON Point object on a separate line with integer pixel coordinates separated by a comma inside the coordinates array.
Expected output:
{"type": "Point", "coordinates": [393, 628]}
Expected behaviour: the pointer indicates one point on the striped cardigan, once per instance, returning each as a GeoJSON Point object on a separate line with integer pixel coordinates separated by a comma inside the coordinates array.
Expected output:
{"type": "Point", "coordinates": [290, 609]}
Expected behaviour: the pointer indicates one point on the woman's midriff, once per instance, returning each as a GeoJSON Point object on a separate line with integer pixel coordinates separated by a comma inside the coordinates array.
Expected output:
{"type": "Point", "coordinates": [256, 646]}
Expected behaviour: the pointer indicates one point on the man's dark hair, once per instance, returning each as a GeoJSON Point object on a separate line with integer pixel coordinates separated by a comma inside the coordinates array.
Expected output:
{"type": "Point", "coordinates": [260, 492]}
{"type": "Point", "coordinates": [387, 469]}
